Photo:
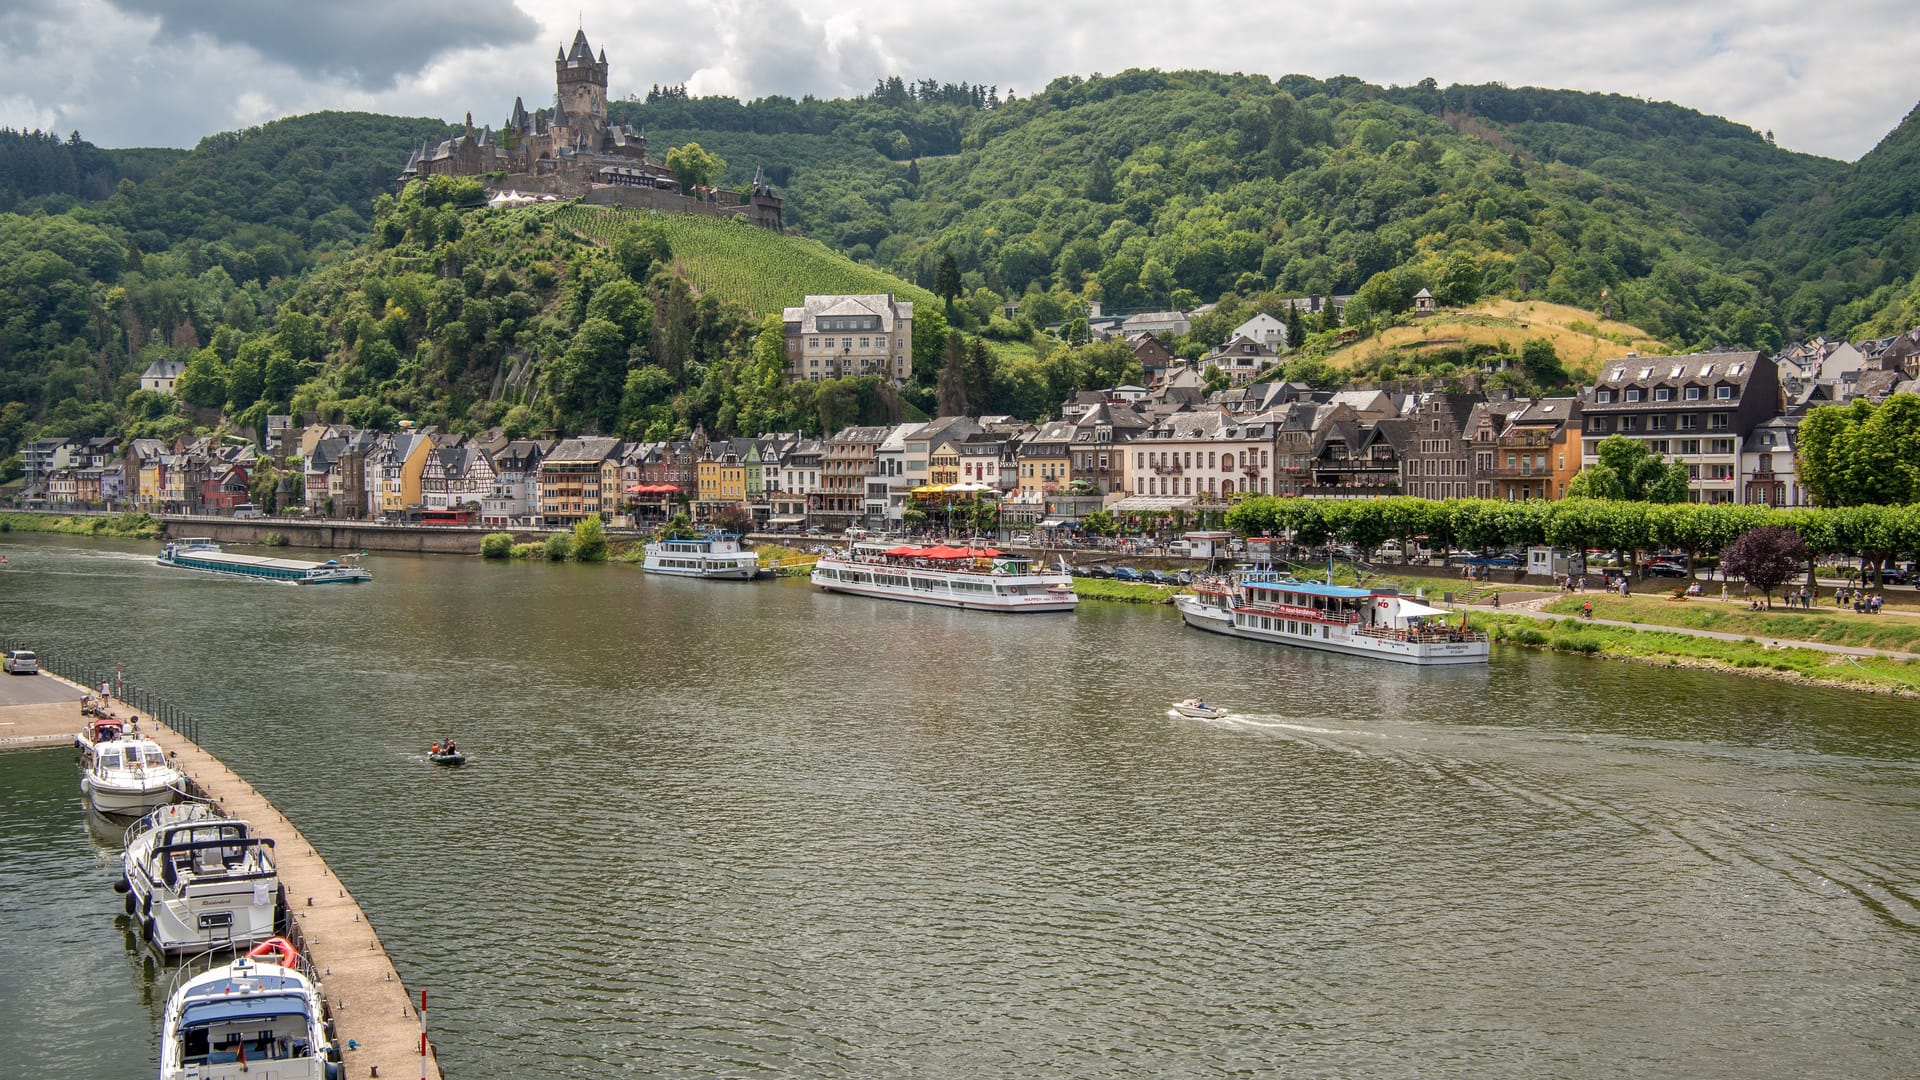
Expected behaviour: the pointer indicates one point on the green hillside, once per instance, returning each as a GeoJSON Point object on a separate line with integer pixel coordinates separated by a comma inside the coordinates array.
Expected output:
{"type": "Point", "coordinates": [759, 271]}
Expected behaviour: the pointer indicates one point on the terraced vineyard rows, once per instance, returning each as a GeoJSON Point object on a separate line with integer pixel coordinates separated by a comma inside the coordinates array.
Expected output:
{"type": "Point", "coordinates": [738, 263]}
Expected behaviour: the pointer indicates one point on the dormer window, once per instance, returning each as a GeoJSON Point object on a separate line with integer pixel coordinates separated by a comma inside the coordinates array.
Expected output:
{"type": "Point", "coordinates": [1693, 393]}
{"type": "Point", "coordinates": [1723, 393]}
{"type": "Point", "coordinates": [1603, 397]}
{"type": "Point", "coordinates": [1661, 393]}
{"type": "Point", "coordinates": [1633, 393]}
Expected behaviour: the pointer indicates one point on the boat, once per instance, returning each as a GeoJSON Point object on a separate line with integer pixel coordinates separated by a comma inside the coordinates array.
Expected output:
{"type": "Point", "coordinates": [127, 774]}
{"type": "Point", "coordinates": [717, 555]}
{"type": "Point", "coordinates": [446, 757]}
{"type": "Point", "coordinates": [259, 1016]}
{"type": "Point", "coordinates": [100, 729]}
{"type": "Point", "coordinates": [976, 579]}
{"type": "Point", "coordinates": [1195, 709]}
{"type": "Point", "coordinates": [1263, 605]}
{"type": "Point", "coordinates": [197, 880]}
{"type": "Point", "coordinates": [206, 556]}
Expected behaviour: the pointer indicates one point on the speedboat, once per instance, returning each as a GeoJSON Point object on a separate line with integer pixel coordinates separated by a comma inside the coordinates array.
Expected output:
{"type": "Point", "coordinates": [197, 880]}
{"type": "Point", "coordinates": [127, 775]}
{"type": "Point", "coordinates": [1195, 709]}
{"type": "Point", "coordinates": [258, 1017]}
{"type": "Point", "coordinates": [100, 729]}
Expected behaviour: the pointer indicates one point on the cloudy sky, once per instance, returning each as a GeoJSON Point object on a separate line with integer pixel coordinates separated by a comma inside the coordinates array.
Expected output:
{"type": "Point", "coordinates": [1828, 78]}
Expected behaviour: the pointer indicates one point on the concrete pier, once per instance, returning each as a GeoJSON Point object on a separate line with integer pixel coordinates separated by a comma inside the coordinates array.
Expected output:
{"type": "Point", "coordinates": [369, 1004]}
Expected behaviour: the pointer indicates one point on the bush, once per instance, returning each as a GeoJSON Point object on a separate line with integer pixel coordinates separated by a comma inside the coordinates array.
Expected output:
{"type": "Point", "coordinates": [530, 549]}
{"type": "Point", "coordinates": [274, 539]}
{"type": "Point", "coordinates": [558, 547]}
{"type": "Point", "coordinates": [496, 546]}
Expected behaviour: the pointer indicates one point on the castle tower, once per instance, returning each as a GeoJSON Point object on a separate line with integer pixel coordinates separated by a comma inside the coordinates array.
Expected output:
{"type": "Point", "coordinates": [581, 82]}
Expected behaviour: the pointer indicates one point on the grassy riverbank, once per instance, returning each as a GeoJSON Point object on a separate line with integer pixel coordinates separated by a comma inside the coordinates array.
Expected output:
{"type": "Point", "coordinates": [132, 526]}
{"type": "Point", "coordinates": [1829, 626]}
{"type": "Point", "coordinates": [1675, 649]}
{"type": "Point", "coordinates": [1123, 592]}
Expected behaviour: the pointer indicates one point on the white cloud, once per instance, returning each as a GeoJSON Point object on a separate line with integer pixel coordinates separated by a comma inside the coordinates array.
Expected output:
{"type": "Point", "coordinates": [1829, 79]}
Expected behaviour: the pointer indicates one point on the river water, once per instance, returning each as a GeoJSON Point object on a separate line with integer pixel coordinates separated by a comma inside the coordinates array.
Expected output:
{"type": "Point", "coordinates": [724, 829]}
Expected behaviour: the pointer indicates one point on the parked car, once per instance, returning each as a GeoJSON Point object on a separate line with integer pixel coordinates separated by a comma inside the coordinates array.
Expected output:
{"type": "Point", "coordinates": [21, 662]}
{"type": "Point", "coordinates": [1100, 570]}
{"type": "Point", "coordinates": [1665, 569]}
{"type": "Point", "coordinates": [1155, 577]}
{"type": "Point", "coordinates": [1126, 573]}
{"type": "Point", "coordinates": [1184, 577]}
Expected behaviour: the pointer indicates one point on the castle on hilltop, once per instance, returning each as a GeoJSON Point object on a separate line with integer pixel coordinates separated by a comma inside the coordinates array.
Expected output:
{"type": "Point", "coordinates": [572, 150]}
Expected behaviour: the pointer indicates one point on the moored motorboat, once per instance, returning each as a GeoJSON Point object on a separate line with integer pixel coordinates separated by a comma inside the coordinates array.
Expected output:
{"type": "Point", "coordinates": [1196, 709]}
{"type": "Point", "coordinates": [197, 880]}
{"type": "Point", "coordinates": [259, 1016]}
{"type": "Point", "coordinates": [128, 774]}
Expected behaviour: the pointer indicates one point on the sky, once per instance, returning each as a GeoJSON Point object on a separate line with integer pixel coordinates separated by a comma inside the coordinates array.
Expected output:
{"type": "Point", "coordinates": [1829, 79]}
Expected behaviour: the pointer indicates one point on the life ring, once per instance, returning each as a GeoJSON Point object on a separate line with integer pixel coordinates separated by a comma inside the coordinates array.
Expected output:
{"type": "Point", "coordinates": [279, 947]}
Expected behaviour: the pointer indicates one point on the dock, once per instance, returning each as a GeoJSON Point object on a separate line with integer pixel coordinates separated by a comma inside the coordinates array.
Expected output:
{"type": "Point", "coordinates": [370, 1006]}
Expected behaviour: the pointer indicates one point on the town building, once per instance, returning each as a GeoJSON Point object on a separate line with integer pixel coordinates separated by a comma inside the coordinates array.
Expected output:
{"type": "Point", "coordinates": [1696, 409]}
{"type": "Point", "coordinates": [830, 337]}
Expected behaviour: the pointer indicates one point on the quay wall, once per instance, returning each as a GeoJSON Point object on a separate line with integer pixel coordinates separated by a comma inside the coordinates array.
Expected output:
{"type": "Point", "coordinates": [367, 1001]}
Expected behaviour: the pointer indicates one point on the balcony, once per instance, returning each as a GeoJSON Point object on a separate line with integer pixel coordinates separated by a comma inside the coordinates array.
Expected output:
{"type": "Point", "coordinates": [1174, 469]}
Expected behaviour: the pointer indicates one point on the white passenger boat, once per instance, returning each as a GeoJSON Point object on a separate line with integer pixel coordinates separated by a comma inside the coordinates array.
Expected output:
{"type": "Point", "coordinates": [207, 557]}
{"type": "Point", "coordinates": [979, 579]}
{"type": "Point", "coordinates": [1265, 606]}
{"type": "Point", "coordinates": [1195, 709]}
{"type": "Point", "coordinates": [715, 556]}
{"type": "Point", "coordinates": [197, 880]}
{"type": "Point", "coordinates": [259, 1017]}
{"type": "Point", "coordinates": [127, 775]}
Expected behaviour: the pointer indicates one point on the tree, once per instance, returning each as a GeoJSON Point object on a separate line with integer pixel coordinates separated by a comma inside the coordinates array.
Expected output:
{"type": "Point", "coordinates": [589, 539]}
{"type": "Point", "coordinates": [946, 281]}
{"type": "Point", "coordinates": [953, 379]}
{"type": "Point", "coordinates": [1099, 186]}
{"type": "Point", "coordinates": [1860, 454]}
{"type": "Point", "coordinates": [1766, 557]}
{"type": "Point", "coordinates": [694, 166]}
{"type": "Point", "coordinates": [1629, 472]}
{"type": "Point", "coordinates": [1541, 362]}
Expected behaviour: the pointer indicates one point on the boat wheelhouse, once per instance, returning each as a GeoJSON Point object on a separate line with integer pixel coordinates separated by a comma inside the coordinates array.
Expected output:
{"type": "Point", "coordinates": [1381, 623]}
{"type": "Point", "coordinates": [716, 556]}
{"type": "Point", "coordinates": [980, 579]}
{"type": "Point", "coordinates": [206, 556]}
{"type": "Point", "coordinates": [261, 1015]}
{"type": "Point", "coordinates": [197, 880]}
{"type": "Point", "coordinates": [127, 775]}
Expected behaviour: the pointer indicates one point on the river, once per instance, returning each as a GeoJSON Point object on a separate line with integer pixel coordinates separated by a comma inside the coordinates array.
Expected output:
{"type": "Point", "coordinates": [726, 829]}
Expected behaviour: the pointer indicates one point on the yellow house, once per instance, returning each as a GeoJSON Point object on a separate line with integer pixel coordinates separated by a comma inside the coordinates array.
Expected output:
{"type": "Point", "coordinates": [400, 477]}
{"type": "Point", "coordinates": [1046, 459]}
{"type": "Point", "coordinates": [721, 477]}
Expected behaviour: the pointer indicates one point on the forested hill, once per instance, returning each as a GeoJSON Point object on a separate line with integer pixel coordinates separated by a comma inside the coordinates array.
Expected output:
{"type": "Point", "coordinates": [1167, 187]}
{"type": "Point", "coordinates": [1143, 190]}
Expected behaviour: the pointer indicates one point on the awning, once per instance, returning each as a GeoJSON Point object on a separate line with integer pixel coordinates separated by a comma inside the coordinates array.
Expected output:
{"type": "Point", "coordinates": [1052, 523]}
{"type": "Point", "coordinates": [1410, 609]}
{"type": "Point", "coordinates": [652, 489]}
{"type": "Point", "coordinates": [786, 519]}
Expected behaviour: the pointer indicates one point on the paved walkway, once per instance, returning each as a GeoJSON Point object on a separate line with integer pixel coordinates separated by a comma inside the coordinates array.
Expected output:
{"type": "Point", "coordinates": [1529, 604]}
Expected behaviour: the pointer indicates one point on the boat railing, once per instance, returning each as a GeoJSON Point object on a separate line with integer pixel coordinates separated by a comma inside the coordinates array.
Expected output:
{"type": "Point", "coordinates": [1422, 635]}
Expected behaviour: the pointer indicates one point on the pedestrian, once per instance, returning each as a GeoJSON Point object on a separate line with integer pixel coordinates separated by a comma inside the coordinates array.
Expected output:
{"type": "Point", "coordinates": [1723, 592]}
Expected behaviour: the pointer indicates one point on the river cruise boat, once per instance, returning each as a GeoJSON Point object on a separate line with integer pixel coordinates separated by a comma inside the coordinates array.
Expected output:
{"type": "Point", "coordinates": [258, 1017]}
{"type": "Point", "coordinates": [127, 775]}
{"type": "Point", "coordinates": [1380, 623]}
{"type": "Point", "coordinates": [977, 579]}
{"type": "Point", "coordinates": [207, 557]}
{"type": "Point", "coordinates": [197, 880]}
{"type": "Point", "coordinates": [716, 556]}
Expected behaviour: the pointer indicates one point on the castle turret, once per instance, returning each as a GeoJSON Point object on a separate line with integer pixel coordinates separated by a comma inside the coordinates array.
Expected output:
{"type": "Point", "coordinates": [581, 83]}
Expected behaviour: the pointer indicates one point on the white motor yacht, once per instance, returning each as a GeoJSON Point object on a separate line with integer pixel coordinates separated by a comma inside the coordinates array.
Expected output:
{"type": "Point", "coordinates": [127, 775]}
{"type": "Point", "coordinates": [259, 1017]}
{"type": "Point", "coordinates": [196, 880]}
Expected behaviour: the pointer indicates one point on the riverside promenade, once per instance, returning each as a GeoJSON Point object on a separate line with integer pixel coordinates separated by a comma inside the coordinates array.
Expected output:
{"type": "Point", "coordinates": [369, 1005]}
